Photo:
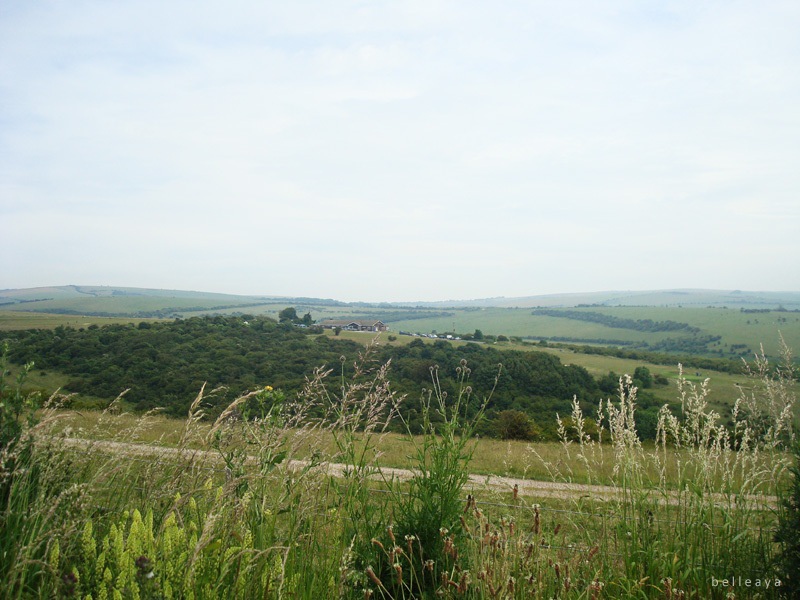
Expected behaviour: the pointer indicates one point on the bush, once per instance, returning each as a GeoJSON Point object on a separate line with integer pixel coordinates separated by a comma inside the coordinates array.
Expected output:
{"type": "Point", "coordinates": [515, 425]}
{"type": "Point", "coordinates": [432, 509]}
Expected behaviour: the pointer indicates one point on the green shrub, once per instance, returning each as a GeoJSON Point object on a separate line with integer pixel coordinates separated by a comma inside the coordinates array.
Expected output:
{"type": "Point", "coordinates": [514, 425]}
{"type": "Point", "coordinates": [431, 509]}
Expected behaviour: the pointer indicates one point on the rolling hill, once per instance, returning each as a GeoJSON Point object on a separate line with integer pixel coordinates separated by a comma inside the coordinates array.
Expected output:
{"type": "Point", "coordinates": [703, 322]}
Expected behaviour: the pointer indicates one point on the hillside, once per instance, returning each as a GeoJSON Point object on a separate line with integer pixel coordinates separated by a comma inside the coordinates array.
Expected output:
{"type": "Point", "coordinates": [164, 364]}
{"type": "Point", "coordinates": [660, 298]}
{"type": "Point", "coordinates": [712, 323]}
{"type": "Point", "coordinates": [129, 299]}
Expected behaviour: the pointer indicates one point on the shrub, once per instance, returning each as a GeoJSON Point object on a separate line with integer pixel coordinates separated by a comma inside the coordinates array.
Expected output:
{"type": "Point", "coordinates": [515, 425]}
{"type": "Point", "coordinates": [432, 506]}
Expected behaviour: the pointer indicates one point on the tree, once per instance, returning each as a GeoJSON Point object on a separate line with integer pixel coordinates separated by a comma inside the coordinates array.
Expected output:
{"type": "Point", "coordinates": [643, 376]}
{"type": "Point", "coordinates": [515, 425]}
{"type": "Point", "coordinates": [478, 335]}
{"type": "Point", "coordinates": [307, 320]}
{"type": "Point", "coordinates": [288, 314]}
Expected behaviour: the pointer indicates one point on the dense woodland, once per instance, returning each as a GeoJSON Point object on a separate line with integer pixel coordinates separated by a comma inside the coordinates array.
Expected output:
{"type": "Point", "coordinates": [165, 365]}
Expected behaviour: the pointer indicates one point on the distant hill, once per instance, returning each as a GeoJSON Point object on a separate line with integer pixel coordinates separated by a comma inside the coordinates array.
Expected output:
{"type": "Point", "coordinates": [118, 301]}
{"type": "Point", "coordinates": [139, 302]}
{"type": "Point", "coordinates": [663, 298]}
{"type": "Point", "coordinates": [718, 323]}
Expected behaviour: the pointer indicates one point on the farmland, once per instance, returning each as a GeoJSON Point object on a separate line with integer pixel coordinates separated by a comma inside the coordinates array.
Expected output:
{"type": "Point", "coordinates": [716, 324]}
{"type": "Point", "coordinates": [735, 332]}
{"type": "Point", "coordinates": [232, 467]}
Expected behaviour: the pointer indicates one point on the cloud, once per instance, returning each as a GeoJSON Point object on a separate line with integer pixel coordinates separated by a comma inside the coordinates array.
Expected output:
{"type": "Point", "coordinates": [500, 151]}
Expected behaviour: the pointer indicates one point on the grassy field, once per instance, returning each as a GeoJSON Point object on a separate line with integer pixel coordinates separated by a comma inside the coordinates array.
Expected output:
{"type": "Point", "coordinates": [15, 320]}
{"type": "Point", "coordinates": [713, 313]}
{"type": "Point", "coordinates": [724, 386]}
{"type": "Point", "coordinates": [748, 330]}
{"type": "Point", "coordinates": [536, 461]}
{"type": "Point", "coordinates": [244, 519]}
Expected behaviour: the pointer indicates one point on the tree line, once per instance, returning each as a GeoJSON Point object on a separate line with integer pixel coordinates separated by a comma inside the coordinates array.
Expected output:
{"type": "Point", "coordinates": [164, 365]}
{"type": "Point", "coordinates": [617, 322]}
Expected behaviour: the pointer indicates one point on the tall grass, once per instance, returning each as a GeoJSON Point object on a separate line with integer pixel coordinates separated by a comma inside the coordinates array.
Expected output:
{"type": "Point", "coordinates": [712, 518]}
{"type": "Point", "coordinates": [254, 504]}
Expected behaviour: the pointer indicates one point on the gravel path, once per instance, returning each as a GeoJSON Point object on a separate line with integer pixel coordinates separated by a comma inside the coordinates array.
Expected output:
{"type": "Point", "coordinates": [476, 483]}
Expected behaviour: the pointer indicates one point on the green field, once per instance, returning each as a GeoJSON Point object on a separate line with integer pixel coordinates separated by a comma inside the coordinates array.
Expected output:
{"type": "Point", "coordinates": [300, 502]}
{"type": "Point", "coordinates": [724, 387]}
{"type": "Point", "coordinates": [724, 390]}
{"type": "Point", "coordinates": [14, 320]}
{"type": "Point", "coordinates": [741, 333]}
{"type": "Point", "coordinates": [721, 327]}
{"type": "Point", "coordinates": [170, 508]}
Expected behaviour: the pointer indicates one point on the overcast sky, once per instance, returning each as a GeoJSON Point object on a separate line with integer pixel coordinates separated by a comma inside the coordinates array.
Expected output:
{"type": "Point", "coordinates": [416, 150]}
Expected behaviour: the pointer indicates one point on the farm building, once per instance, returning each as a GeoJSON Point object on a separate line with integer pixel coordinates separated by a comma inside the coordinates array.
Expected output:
{"type": "Point", "coordinates": [351, 325]}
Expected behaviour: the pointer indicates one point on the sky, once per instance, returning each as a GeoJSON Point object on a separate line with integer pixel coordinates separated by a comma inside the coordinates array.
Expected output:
{"type": "Point", "coordinates": [400, 151]}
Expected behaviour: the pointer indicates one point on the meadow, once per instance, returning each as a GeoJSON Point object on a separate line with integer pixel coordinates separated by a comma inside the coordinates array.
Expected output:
{"type": "Point", "coordinates": [18, 320]}
{"type": "Point", "coordinates": [740, 333]}
{"type": "Point", "coordinates": [247, 506]}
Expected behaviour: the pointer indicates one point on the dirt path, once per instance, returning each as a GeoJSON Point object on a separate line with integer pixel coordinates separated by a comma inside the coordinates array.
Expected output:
{"type": "Point", "coordinates": [476, 483]}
